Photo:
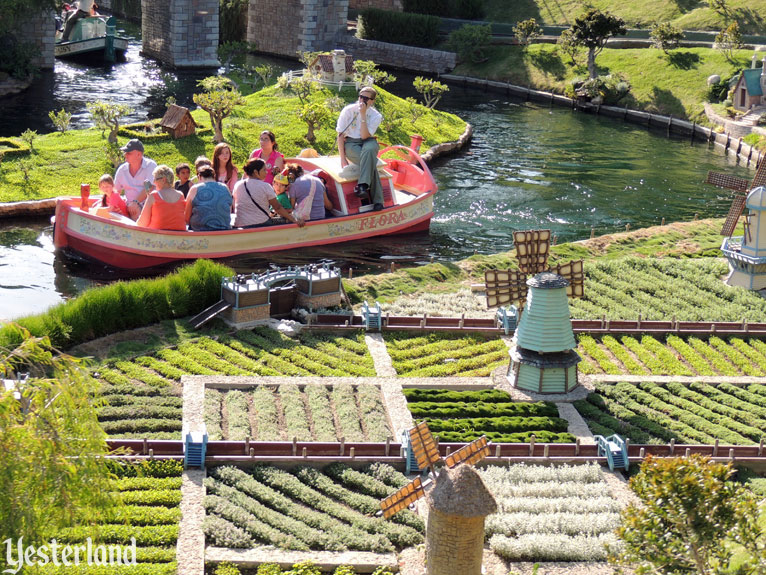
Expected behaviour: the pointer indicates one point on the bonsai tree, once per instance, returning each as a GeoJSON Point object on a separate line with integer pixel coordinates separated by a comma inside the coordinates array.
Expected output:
{"type": "Point", "coordinates": [526, 31]}
{"type": "Point", "coordinates": [314, 114]}
{"type": "Point", "coordinates": [592, 30]}
{"type": "Point", "coordinates": [567, 44]}
{"type": "Point", "coordinates": [431, 90]}
{"type": "Point", "coordinates": [52, 469]}
{"type": "Point", "coordinates": [728, 40]}
{"type": "Point", "coordinates": [367, 73]}
{"type": "Point", "coordinates": [689, 515]}
{"type": "Point", "coordinates": [219, 100]}
{"type": "Point", "coordinates": [665, 36]}
{"type": "Point", "coordinates": [107, 115]}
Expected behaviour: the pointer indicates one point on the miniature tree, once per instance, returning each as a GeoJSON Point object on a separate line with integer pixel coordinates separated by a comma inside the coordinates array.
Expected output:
{"type": "Point", "coordinates": [719, 6]}
{"type": "Point", "coordinates": [219, 100]}
{"type": "Point", "coordinates": [107, 115]}
{"type": "Point", "coordinates": [592, 30]}
{"type": "Point", "coordinates": [526, 31]}
{"type": "Point", "coordinates": [61, 119]}
{"type": "Point", "coordinates": [567, 44]}
{"type": "Point", "coordinates": [52, 470]}
{"type": "Point", "coordinates": [367, 73]}
{"type": "Point", "coordinates": [728, 40]}
{"type": "Point", "coordinates": [665, 36]}
{"type": "Point", "coordinates": [314, 114]}
{"type": "Point", "coordinates": [431, 90]}
{"type": "Point", "coordinates": [689, 512]}
{"type": "Point", "coordinates": [470, 41]}
{"type": "Point", "coordinates": [29, 137]}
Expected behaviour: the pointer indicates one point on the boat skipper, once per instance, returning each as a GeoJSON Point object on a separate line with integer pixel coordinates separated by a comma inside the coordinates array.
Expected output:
{"type": "Point", "coordinates": [131, 176]}
{"type": "Point", "coordinates": [356, 129]}
{"type": "Point", "coordinates": [83, 11]}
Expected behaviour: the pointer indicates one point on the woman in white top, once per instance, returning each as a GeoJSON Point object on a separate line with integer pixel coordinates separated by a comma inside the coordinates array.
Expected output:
{"type": "Point", "coordinates": [253, 197]}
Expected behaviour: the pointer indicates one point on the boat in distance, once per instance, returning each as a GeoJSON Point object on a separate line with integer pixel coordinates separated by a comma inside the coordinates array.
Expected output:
{"type": "Point", "coordinates": [112, 239]}
{"type": "Point", "coordinates": [93, 39]}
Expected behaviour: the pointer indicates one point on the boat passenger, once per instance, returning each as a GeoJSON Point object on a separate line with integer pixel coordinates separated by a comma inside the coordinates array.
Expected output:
{"type": "Point", "coordinates": [269, 153]}
{"type": "Point", "coordinates": [226, 171]}
{"type": "Point", "coordinates": [281, 185]}
{"type": "Point", "coordinates": [131, 175]}
{"type": "Point", "coordinates": [300, 188]}
{"type": "Point", "coordinates": [208, 205]}
{"type": "Point", "coordinates": [165, 207]}
{"type": "Point", "coordinates": [183, 183]}
{"type": "Point", "coordinates": [253, 197]}
{"type": "Point", "coordinates": [83, 11]}
{"type": "Point", "coordinates": [356, 129]}
{"type": "Point", "coordinates": [111, 199]}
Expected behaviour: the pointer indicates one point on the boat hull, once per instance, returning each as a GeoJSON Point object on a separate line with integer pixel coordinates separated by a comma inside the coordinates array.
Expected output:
{"type": "Point", "coordinates": [127, 246]}
{"type": "Point", "coordinates": [91, 49]}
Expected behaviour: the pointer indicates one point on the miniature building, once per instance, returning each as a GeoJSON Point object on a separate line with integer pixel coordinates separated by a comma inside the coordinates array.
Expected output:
{"type": "Point", "coordinates": [457, 506]}
{"type": "Point", "coordinates": [178, 122]}
{"type": "Point", "coordinates": [255, 298]}
{"type": "Point", "coordinates": [747, 254]}
{"type": "Point", "coordinates": [750, 88]}
{"type": "Point", "coordinates": [336, 66]}
{"type": "Point", "coordinates": [543, 359]}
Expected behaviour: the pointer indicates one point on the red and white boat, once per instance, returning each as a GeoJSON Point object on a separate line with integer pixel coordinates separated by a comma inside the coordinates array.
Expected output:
{"type": "Point", "coordinates": [408, 190]}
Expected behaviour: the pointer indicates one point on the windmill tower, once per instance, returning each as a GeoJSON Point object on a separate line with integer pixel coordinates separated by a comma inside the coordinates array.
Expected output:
{"type": "Point", "coordinates": [542, 359]}
{"type": "Point", "coordinates": [457, 504]}
{"type": "Point", "coordinates": [746, 254]}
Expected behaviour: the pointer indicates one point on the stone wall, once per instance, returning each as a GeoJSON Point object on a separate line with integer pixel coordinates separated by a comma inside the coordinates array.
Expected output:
{"type": "Point", "coordinates": [41, 31]}
{"type": "Point", "coordinates": [127, 9]}
{"type": "Point", "coordinates": [400, 56]}
{"type": "Point", "coordinates": [381, 4]}
{"type": "Point", "coordinates": [181, 33]}
{"type": "Point", "coordinates": [285, 27]}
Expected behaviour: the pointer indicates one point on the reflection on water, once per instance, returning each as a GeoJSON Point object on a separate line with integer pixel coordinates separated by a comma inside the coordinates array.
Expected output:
{"type": "Point", "coordinates": [527, 167]}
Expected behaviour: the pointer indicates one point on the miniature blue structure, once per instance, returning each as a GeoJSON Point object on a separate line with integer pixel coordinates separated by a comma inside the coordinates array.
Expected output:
{"type": "Point", "coordinates": [410, 461]}
{"type": "Point", "coordinates": [507, 318]}
{"type": "Point", "coordinates": [372, 317]}
{"type": "Point", "coordinates": [747, 254]}
{"type": "Point", "coordinates": [195, 447]}
{"type": "Point", "coordinates": [615, 449]}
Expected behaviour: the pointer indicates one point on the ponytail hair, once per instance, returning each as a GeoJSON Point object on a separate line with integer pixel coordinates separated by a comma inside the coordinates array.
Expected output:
{"type": "Point", "coordinates": [294, 171]}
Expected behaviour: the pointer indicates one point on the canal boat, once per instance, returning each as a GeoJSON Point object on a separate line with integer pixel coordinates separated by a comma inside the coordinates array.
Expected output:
{"type": "Point", "coordinates": [94, 39]}
{"type": "Point", "coordinates": [408, 191]}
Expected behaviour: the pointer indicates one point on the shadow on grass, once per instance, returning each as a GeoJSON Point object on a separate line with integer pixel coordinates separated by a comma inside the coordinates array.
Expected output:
{"type": "Point", "coordinates": [684, 60]}
{"type": "Point", "coordinates": [550, 63]}
{"type": "Point", "coordinates": [689, 5]}
{"type": "Point", "coordinates": [666, 103]}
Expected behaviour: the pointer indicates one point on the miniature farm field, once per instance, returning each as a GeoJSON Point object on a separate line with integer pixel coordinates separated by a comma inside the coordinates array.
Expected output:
{"type": "Point", "coordinates": [150, 495]}
{"type": "Point", "coordinates": [556, 513]}
{"type": "Point", "coordinates": [462, 416]}
{"type": "Point", "coordinates": [311, 412]}
{"type": "Point", "coordinates": [329, 509]}
{"type": "Point", "coordinates": [696, 413]}
{"type": "Point", "coordinates": [142, 394]}
{"type": "Point", "coordinates": [444, 354]}
{"type": "Point", "coordinates": [675, 355]}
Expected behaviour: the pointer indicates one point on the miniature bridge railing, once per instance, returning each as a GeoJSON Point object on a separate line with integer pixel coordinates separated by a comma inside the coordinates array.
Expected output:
{"type": "Point", "coordinates": [490, 325]}
{"type": "Point", "coordinates": [221, 452]}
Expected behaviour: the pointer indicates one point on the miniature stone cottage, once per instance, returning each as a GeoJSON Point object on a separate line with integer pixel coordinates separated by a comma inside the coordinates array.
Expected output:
{"type": "Point", "coordinates": [751, 87]}
{"type": "Point", "coordinates": [178, 122]}
{"type": "Point", "coordinates": [457, 507]}
{"type": "Point", "coordinates": [336, 66]}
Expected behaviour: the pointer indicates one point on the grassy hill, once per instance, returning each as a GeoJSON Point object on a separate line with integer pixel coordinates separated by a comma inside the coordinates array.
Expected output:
{"type": "Point", "coordinates": [686, 14]}
{"type": "Point", "coordinates": [661, 83]}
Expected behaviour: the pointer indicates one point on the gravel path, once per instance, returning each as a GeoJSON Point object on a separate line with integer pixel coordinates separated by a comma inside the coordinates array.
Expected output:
{"type": "Point", "coordinates": [363, 562]}
{"type": "Point", "coordinates": [190, 547]}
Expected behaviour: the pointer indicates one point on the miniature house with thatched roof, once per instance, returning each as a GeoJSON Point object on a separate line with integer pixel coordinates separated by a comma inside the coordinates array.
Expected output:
{"type": "Point", "coordinates": [178, 122]}
{"type": "Point", "coordinates": [335, 66]}
{"type": "Point", "coordinates": [457, 506]}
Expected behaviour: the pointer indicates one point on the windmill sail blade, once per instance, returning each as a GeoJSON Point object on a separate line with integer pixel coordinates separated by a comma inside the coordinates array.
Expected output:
{"type": "Point", "coordinates": [726, 181]}
{"type": "Point", "coordinates": [736, 209]}
{"type": "Point", "coordinates": [424, 446]}
{"type": "Point", "coordinates": [403, 498]}
{"type": "Point", "coordinates": [505, 287]}
{"type": "Point", "coordinates": [760, 176]}
{"type": "Point", "coordinates": [471, 453]}
{"type": "Point", "coordinates": [574, 272]}
{"type": "Point", "coordinates": [532, 249]}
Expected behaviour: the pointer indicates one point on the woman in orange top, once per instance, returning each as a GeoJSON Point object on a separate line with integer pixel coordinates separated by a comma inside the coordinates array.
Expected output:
{"type": "Point", "coordinates": [164, 208]}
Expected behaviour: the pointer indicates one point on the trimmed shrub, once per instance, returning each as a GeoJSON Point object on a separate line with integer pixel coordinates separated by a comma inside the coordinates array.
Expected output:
{"type": "Point", "coordinates": [398, 27]}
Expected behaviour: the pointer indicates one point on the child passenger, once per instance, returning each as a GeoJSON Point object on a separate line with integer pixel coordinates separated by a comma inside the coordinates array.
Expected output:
{"type": "Point", "coordinates": [183, 183]}
{"type": "Point", "coordinates": [111, 199]}
{"type": "Point", "coordinates": [280, 185]}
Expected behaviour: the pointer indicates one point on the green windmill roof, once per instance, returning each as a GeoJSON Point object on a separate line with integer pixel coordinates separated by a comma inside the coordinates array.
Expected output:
{"type": "Point", "coordinates": [545, 326]}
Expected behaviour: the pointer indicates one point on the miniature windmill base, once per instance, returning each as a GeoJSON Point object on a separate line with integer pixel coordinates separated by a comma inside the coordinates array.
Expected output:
{"type": "Point", "coordinates": [744, 271]}
{"type": "Point", "coordinates": [454, 544]}
{"type": "Point", "coordinates": [543, 373]}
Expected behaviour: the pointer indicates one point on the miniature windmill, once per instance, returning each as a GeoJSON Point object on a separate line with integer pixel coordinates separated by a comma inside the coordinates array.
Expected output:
{"type": "Point", "coordinates": [747, 254]}
{"type": "Point", "coordinates": [458, 504]}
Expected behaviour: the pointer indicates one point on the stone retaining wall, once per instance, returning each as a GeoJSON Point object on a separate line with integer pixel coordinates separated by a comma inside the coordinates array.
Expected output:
{"type": "Point", "coordinates": [381, 4]}
{"type": "Point", "coordinates": [400, 56]}
{"type": "Point", "coordinates": [41, 31]}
